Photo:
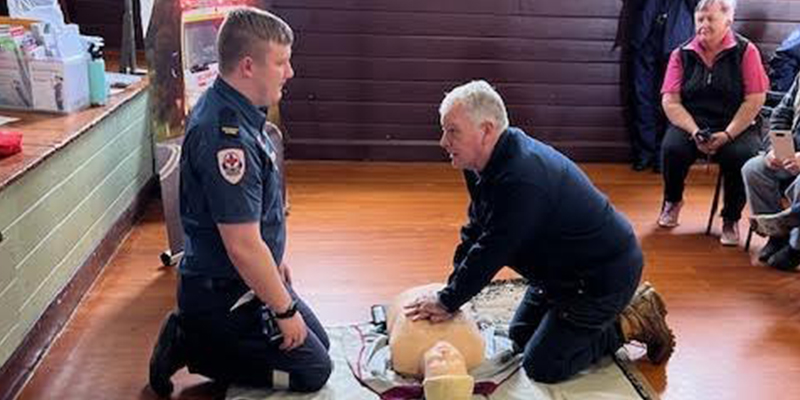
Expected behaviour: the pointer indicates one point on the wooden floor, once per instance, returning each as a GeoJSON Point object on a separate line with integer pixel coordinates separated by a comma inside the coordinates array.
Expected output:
{"type": "Point", "coordinates": [360, 233]}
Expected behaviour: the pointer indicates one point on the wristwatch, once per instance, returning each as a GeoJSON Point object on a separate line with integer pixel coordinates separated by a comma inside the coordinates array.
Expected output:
{"type": "Point", "coordinates": [289, 313]}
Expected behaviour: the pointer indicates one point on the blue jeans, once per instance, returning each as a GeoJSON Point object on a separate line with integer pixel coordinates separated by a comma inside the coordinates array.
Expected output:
{"type": "Point", "coordinates": [562, 338]}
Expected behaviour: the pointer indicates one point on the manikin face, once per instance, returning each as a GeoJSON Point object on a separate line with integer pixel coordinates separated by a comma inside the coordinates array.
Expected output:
{"type": "Point", "coordinates": [270, 72]}
{"type": "Point", "coordinates": [463, 139]}
{"type": "Point", "coordinates": [711, 25]}
{"type": "Point", "coordinates": [444, 359]}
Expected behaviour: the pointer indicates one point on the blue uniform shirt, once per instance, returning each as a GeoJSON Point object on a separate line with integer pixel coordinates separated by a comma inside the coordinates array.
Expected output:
{"type": "Point", "coordinates": [228, 175]}
{"type": "Point", "coordinates": [534, 210]}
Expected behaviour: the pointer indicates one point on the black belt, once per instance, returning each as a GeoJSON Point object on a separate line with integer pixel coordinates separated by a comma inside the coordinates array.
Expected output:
{"type": "Point", "coordinates": [214, 284]}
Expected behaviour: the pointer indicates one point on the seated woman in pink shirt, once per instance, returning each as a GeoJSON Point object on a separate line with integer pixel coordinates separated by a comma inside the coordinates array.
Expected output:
{"type": "Point", "coordinates": [713, 90]}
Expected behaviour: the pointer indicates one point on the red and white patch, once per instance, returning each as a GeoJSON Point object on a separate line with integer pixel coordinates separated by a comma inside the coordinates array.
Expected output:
{"type": "Point", "coordinates": [231, 164]}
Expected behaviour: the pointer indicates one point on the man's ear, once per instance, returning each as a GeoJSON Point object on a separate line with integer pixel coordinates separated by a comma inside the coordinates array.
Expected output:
{"type": "Point", "coordinates": [487, 128]}
{"type": "Point", "coordinates": [246, 65]}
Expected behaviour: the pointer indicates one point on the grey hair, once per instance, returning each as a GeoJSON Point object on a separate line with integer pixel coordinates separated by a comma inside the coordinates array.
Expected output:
{"type": "Point", "coordinates": [728, 6]}
{"type": "Point", "coordinates": [482, 103]}
{"type": "Point", "coordinates": [243, 30]}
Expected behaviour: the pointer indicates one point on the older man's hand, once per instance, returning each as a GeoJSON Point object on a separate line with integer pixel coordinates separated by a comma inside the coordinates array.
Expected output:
{"type": "Point", "coordinates": [427, 307]}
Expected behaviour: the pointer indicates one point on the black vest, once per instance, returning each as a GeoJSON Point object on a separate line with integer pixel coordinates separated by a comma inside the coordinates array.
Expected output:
{"type": "Point", "coordinates": [713, 95]}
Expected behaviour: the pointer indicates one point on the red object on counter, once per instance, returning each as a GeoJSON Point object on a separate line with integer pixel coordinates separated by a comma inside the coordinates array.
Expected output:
{"type": "Point", "coordinates": [10, 143]}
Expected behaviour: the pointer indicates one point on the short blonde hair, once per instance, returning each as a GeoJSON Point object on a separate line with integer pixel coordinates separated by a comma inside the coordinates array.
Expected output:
{"type": "Point", "coordinates": [242, 32]}
{"type": "Point", "coordinates": [482, 103]}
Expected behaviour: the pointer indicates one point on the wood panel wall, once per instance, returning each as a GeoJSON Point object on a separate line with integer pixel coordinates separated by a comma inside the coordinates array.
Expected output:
{"type": "Point", "coordinates": [370, 73]}
{"type": "Point", "coordinates": [103, 18]}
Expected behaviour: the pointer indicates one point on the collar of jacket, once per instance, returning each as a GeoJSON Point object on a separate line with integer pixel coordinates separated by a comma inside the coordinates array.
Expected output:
{"type": "Point", "coordinates": [251, 113]}
{"type": "Point", "coordinates": [499, 155]}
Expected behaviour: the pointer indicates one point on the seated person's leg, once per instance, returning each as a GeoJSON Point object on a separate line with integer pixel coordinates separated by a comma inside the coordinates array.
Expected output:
{"type": "Point", "coordinates": [678, 154]}
{"type": "Point", "coordinates": [732, 157]}
{"type": "Point", "coordinates": [763, 186]}
{"type": "Point", "coordinates": [788, 258]}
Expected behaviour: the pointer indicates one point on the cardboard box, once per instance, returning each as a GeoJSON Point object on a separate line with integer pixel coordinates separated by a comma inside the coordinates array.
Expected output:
{"type": "Point", "coordinates": [60, 85]}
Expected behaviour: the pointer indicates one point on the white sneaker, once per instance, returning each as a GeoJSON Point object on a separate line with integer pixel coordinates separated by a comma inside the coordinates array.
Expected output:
{"type": "Point", "coordinates": [669, 214]}
{"type": "Point", "coordinates": [730, 233]}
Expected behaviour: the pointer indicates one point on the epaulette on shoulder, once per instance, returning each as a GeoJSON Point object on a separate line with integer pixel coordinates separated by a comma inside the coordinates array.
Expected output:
{"type": "Point", "coordinates": [229, 122]}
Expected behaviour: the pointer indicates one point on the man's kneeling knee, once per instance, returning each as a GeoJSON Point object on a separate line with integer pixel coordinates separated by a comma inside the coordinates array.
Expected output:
{"type": "Point", "coordinates": [309, 380]}
{"type": "Point", "coordinates": [545, 370]}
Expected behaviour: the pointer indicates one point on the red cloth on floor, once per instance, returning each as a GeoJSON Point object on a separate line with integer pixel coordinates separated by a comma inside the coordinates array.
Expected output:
{"type": "Point", "coordinates": [10, 143]}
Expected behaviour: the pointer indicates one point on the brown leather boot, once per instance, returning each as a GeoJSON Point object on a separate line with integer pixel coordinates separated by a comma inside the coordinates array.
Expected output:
{"type": "Point", "coordinates": [644, 321]}
{"type": "Point", "coordinates": [644, 287]}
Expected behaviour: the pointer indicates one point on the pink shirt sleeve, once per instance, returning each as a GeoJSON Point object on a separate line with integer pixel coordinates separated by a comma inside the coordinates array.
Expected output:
{"type": "Point", "coordinates": [674, 74]}
{"type": "Point", "coordinates": [753, 74]}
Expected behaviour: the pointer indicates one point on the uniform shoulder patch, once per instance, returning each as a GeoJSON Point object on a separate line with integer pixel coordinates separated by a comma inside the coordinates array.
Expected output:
{"type": "Point", "coordinates": [231, 164]}
{"type": "Point", "coordinates": [229, 122]}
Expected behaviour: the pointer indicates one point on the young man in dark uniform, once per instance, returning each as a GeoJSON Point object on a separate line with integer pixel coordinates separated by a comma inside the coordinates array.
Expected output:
{"type": "Point", "coordinates": [239, 321]}
{"type": "Point", "coordinates": [534, 210]}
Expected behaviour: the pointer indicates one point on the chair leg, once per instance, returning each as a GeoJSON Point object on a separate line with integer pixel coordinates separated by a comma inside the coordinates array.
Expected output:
{"type": "Point", "coordinates": [749, 237]}
{"type": "Point", "coordinates": [714, 203]}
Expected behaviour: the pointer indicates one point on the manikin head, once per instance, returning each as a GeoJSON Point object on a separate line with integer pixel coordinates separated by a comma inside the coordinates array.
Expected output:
{"type": "Point", "coordinates": [446, 376]}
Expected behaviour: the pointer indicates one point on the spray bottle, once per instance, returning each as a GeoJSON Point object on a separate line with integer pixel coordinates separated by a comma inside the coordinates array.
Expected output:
{"type": "Point", "coordinates": [98, 85]}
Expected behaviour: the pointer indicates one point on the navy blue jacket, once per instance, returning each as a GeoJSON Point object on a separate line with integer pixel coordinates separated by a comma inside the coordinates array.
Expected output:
{"type": "Point", "coordinates": [676, 16]}
{"type": "Point", "coordinates": [229, 174]}
{"type": "Point", "coordinates": [535, 211]}
{"type": "Point", "coordinates": [786, 63]}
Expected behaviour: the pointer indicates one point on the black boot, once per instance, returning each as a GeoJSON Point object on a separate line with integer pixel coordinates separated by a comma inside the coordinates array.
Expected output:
{"type": "Point", "coordinates": [642, 163]}
{"type": "Point", "coordinates": [774, 245]}
{"type": "Point", "coordinates": [657, 165]}
{"type": "Point", "coordinates": [787, 259]}
{"type": "Point", "coordinates": [168, 356]}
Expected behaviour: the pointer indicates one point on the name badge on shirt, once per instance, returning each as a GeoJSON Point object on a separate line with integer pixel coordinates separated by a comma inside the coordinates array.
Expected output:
{"type": "Point", "coordinates": [231, 164]}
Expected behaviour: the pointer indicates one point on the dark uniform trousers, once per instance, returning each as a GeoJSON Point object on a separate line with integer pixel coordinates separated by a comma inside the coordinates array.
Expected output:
{"type": "Point", "coordinates": [231, 346]}
{"type": "Point", "coordinates": [562, 335]}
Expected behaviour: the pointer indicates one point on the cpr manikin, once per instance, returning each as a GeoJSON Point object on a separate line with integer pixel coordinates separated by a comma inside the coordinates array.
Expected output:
{"type": "Point", "coordinates": [442, 353]}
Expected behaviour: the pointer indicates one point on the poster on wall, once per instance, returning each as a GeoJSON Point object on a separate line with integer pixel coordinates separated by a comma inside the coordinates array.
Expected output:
{"type": "Point", "coordinates": [181, 51]}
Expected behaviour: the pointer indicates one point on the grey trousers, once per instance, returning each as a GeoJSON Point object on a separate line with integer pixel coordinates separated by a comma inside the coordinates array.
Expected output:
{"type": "Point", "coordinates": [766, 186]}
